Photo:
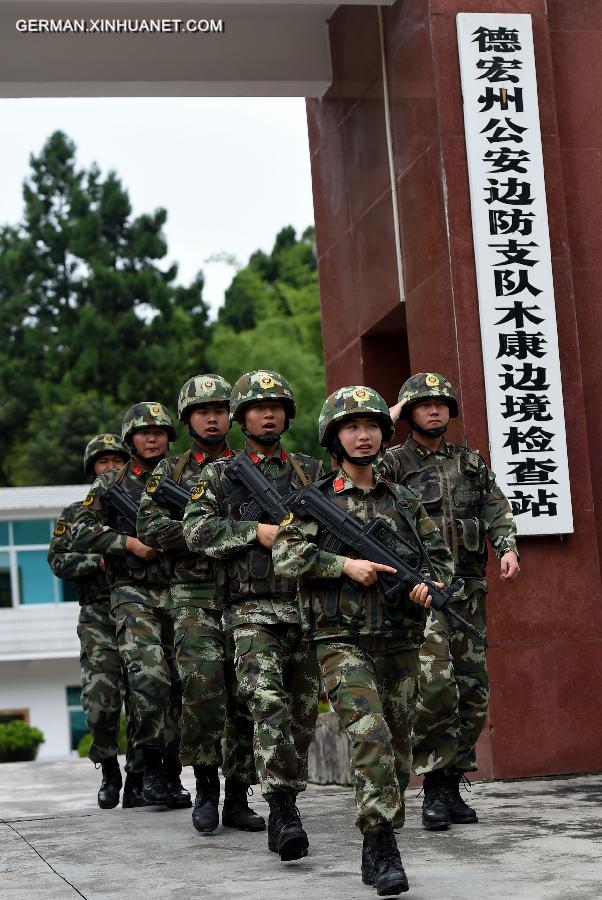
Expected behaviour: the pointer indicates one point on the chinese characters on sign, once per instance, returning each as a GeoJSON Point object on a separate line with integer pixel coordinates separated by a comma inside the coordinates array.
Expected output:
{"type": "Point", "coordinates": [525, 411]}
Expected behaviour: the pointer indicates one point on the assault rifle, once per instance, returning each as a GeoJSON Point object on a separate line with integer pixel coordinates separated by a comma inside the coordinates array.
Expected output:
{"type": "Point", "coordinates": [265, 499]}
{"type": "Point", "coordinates": [116, 497]}
{"type": "Point", "coordinates": [377, 542]}
{"type": "Point", "coordinates": [174, 495]}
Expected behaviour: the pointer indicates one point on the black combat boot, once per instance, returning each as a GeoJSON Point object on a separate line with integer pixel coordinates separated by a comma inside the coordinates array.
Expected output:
{"type": "Point", "coordinates": [108, 793]}
{"type": "Point", "coordinates": [459, 812]}
{"type": "Point", "coordinates": [236, 812]}
{"type": "Point", "coordinates": [179, 797]}
{"type": "Point", "coordinates": [154, 787]}
{"type": "Point", "coordinates": [132, 791]}
{"type": "Point", "coordinates": [381, 853]}
{"type": "Point", "coordinates": [435, 814]}
{"type": "Point", "coordinates": [285, 832]}
{"type": "Point", "coordinates": [205, 815]}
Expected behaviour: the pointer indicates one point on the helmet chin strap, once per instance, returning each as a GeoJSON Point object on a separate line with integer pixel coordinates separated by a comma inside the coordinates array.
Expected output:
{"type": "Point", "coordinates": [428, 432]}
{"type": "Point", "coordinates": [148, 459]}
{"type": "Point", "coordinates": [212, 440]}
{"type": "Point", "coordinates": [339, 451]}
{"type": "Point", "coordinates": [268, 439]}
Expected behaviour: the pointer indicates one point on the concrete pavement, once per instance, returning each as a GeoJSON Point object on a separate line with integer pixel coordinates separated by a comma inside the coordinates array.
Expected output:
{"type": "Point", "coordinates": [537, 839]}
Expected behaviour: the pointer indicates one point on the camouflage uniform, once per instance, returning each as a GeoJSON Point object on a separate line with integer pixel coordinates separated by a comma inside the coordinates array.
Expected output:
{"type": "Point", "coordinates": [101, 670]}
{"type": "Point", "coordinates": [367, 647]}
{"type": "Point", "coordinates": [277, 671]}
{"type": "Point", "coordinates": [140, 604]}
{"type": "Point", "coordinates": [204, 653]}
{"type": "Point", "coordinates": [461, 495]}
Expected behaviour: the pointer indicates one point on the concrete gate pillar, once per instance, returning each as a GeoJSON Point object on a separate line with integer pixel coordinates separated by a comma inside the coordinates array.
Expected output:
{"type": "Point", "coordinates": [398, 286]}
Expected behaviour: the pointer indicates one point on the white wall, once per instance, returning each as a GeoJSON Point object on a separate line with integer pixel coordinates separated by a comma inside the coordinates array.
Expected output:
{"type": "Point", "coordinates": [40, 686]}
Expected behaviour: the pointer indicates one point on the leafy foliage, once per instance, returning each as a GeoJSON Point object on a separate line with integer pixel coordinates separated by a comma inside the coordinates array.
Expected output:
{"type": "Point", "coordinates": [91, 320]}
{"type": "Point", "coordinates": [19, 742]}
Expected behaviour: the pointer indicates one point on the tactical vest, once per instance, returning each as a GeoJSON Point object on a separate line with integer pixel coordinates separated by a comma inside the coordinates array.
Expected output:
{"type": "Point", "coordinates": [251, 570]}
{"type": "Point", "coordinates": [129, 568]}
{"type": "Point", "coordinates": [452, 490]}
{"type": "Point", "coordinates": [91, 588]}
{"type": "Point", "coordinates": [190, 567]}
{"type": "Point", "coordinates": [344, 605]}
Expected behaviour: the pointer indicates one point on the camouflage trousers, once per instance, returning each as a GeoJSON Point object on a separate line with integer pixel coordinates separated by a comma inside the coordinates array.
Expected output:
{"type": "Point", "coordinates": [104, 686]}
{"type": "Point", "coordinates": [372, 685]}
{"type": "Point", "coordinates": [453, 691]}
{"type": "Point", "coordinates": [146, 643]}
{"type": "Point", "coordinates": [210, 700]}
{"type": "Point", "coordinates": [278, 676]}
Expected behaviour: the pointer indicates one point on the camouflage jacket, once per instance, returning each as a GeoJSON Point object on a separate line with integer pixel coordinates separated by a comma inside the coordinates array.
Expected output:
{"type": "Point", "coordinates": [335, 606]}
{"type": "Point", "coordinates": [213, 522]}
{"type": "Point", "coordinates": [158, 528]}
{"type": "Point", "coordinates": [99, 529]}
{"type": "Point", "coordinates": [461, 495]}
{"type": "Point", "coordinates": [83, 569]}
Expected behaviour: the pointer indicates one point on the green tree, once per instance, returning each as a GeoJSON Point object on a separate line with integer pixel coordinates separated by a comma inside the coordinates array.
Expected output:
{"type": "Point", "coordinates": [271, 319]}
{"type": "Point", "coordinates": [88, 315]}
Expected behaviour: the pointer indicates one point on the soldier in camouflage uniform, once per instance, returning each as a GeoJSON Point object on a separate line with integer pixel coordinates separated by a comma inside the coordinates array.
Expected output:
{"type": "Point", "coordinates": [101, 669]}
{"type": "Point", "coordinates": [277, 670]}
{"type": "Point", "coordinates": [204, 653]}
{"type": "Point", "coordinates": [367, 645]}
{"type": "Point", "coordinates": [139, 578]}
{"type": "Point", "coordinates": [461, 495]}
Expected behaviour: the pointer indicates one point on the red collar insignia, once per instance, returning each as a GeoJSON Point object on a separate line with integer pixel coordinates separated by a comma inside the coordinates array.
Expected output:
{"type": "Point", "coordinates": [338, 484]}
{"type": "Point", "coordinates": [228, 453]}
{"type": "Point", "coordinates": [253, 456]}
{"type": "Point", "coordinates": [137, 469]}
{"type": "Point", "coordinates": [200, 457]}
{"type": "Point", "coordinates": [284, 455]}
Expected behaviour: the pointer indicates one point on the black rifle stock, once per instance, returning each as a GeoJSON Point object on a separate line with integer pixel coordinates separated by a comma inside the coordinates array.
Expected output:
{"type": "Point", "coordinates": [174, 495]}
{"type": "Point", "coordinates": [116, 497]}
{"type": "Point", "coordinates": [265, 499]}
{"type": "Point", "coordinates": [374, 541]}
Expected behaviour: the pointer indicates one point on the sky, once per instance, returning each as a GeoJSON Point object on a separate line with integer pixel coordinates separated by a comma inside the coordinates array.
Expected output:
{"type": "Point", "coordinates": [231, 172]}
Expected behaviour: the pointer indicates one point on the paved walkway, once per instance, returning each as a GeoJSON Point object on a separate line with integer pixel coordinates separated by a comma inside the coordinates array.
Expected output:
{"type": "Point", "coordinates": [537, 839]}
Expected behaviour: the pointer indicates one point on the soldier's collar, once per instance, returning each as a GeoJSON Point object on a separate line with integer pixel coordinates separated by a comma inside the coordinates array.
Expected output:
{"type": "Point", "coordinates": [422, 452]}
{"type": "Point", "coordinates": [201, 457]}
{"type": "Point", "coordinates": [280, 455]}
{"type": "Point", "coordinates": [137, 470]}
{"type": "Point", "coordinates": [343, 482]}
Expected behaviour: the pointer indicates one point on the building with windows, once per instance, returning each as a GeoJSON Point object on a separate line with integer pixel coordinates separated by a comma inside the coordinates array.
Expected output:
{"type": "Point", "coordinates": [39, 648]}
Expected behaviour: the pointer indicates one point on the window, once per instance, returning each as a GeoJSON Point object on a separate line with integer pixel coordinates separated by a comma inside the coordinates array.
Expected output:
{"type": "Point", "coordinates": [25, 577]}
{"type": "Point", "coordinates": [77, 719]}
{"type": "Point", "coordinates": [14, 715]}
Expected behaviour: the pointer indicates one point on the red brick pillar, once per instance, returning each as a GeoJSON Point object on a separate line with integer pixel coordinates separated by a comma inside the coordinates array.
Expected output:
{"type": "Point", "coordinates": [398, 290]}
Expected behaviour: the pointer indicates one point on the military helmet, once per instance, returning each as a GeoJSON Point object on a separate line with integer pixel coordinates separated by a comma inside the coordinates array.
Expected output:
{"type": "Point", "coordinates": [355, 400]}
{"type": "Point", "coordinates": [101, 444]}
{"type": "Point", "coordinates": [424, 385]}
{"type": "Point", "coordinates": [202, 389]}
{"type": "Point", "coordinates": [253, 387]}
{"type": "Point", "coordinates": [147, 414]}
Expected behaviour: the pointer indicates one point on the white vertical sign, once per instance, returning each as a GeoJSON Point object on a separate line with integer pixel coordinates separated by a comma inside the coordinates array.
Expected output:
{"type": "Point", "coordinates": [525, 411]}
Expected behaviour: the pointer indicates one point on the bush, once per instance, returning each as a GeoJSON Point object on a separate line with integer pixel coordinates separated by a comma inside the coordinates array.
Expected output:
{"type": "Point", "coordinates": [83, 748]}
{"type": "Point", "coordinates": [19, 742]}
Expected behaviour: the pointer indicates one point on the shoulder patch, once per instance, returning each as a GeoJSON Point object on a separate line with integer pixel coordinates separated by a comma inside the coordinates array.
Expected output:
{"type": "Point", "coordinates": [60, 528]}
{"type": "Point", "coordinates": [198, 491]}
{"type": "Point", "coordinates": [89, 499]}
{"type": "Point", "coordinates": [152, 484]}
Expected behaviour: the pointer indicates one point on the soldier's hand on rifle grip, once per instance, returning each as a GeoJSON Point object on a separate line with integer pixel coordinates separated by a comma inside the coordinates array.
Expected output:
{"type": "Point", "coordinates": [420, 594]}
{"type": "Point", "coordinates": [133, 545]}
{"type": "Point", "coordinates": [364, 571]}
{"type": "Point", "coordinates": [509, 567]}
{"type": "Point", "coordinates": [266, 535]}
